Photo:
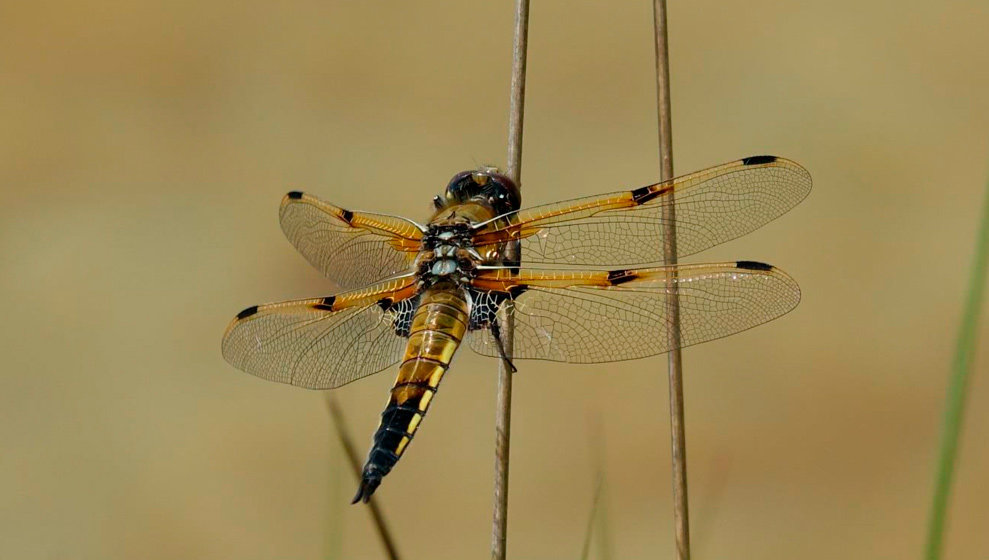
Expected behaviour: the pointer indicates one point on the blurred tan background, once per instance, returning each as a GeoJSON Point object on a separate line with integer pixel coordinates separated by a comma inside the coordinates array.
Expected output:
{"type": "Point", "coordinates": [145, 148]}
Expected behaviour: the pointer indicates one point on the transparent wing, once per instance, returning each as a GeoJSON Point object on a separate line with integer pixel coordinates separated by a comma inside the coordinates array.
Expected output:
{"type": "Point", "coordinates": [321, 343]}
{"type": "Point", "coordinates": [353, 249]}
{"type": "Point", "coordinates": [625, 228]}
{"type": "Point", "coordinates": [601, 316]}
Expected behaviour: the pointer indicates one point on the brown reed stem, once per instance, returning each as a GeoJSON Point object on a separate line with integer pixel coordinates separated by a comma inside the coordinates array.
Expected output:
{"type": "Point", "coordinates": [355, 463]}
{"type": "Point", "coordinates": [675, 363]}
{"type": "Point", "coordinates": [503, 411]}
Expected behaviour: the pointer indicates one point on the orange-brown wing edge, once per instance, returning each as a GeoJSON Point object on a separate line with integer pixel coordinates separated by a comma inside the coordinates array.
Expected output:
{"type": "Point", "coordinates": [389, 291]}
{"type": "Point", "coordinates": [406, 235]}
{"type": "Point", "coordinates": [526, 222]}
{"type": "Point", "coordinates": [506, 279]}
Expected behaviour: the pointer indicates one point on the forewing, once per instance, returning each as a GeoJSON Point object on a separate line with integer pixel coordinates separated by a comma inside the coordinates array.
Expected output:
{"type": "Point", "coordinates": [321, 343]}
{"type": "Point", "coordinates": [353, 249]}
{"type": "Point", "coordinates": [601, 316]}
{"type": "Point", "coordinates": [627, 227]}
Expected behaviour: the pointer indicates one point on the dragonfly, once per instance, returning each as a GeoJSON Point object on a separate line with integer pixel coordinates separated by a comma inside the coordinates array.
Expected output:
{"type": "Point", "coordinates": [583, 281]}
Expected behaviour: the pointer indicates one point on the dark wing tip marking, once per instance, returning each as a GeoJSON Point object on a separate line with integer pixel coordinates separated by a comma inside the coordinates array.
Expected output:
{"type": "Point", "coordinates": [758, 160]}
{"type": "Point", "coordinates": [294, 195]}
{"type": "Point", "coordinates": [753, 265]}
{"type": "Point", "coordinates": [247, 312]}
{"type": "Point", "coordinates": [643, 195]}
{"type": "Point", "coordinates": [617, 277]}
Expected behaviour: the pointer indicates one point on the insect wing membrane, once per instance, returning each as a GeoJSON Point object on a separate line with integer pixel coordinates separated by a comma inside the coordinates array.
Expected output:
{"type": "Point", "coordinates": [322, 343]}
{"type": "Point", "coordinates": [626, 228]}
{"type": "Point", "coordinates": [353, 249]}
{"type": "Point", "coordinates": [606, 316]}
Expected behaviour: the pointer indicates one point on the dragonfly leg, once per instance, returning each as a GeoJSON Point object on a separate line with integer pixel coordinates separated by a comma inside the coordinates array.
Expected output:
{"type": "Point", "coordinates": [496, 331]}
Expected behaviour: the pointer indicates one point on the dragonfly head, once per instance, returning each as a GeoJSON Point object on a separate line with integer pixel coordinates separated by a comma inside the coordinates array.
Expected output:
{"type": "Point", "coordinates": [485, 184]}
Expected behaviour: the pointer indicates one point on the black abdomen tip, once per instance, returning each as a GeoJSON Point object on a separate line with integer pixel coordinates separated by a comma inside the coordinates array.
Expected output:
{"type": "Point", "coordinates": [753, 265]}
{"type": "Point", "coordinates": [294, 195]}
{"type": "Point", "coordinates": [370, 480]}
{"type": "Point", "coordinates": [758, 160]}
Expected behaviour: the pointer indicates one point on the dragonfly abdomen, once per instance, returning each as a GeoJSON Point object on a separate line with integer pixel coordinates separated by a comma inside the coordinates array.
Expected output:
{"type": "Point", "coordinates": [438, 326]}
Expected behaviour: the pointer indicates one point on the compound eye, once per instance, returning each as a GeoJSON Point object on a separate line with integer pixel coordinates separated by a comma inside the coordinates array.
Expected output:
{"type": "Point", "coordinates": [480, 178]}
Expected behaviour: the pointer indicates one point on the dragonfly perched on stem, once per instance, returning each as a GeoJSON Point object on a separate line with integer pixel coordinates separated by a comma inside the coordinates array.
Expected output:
{"type": "Point", "coordinates": [589, 287]}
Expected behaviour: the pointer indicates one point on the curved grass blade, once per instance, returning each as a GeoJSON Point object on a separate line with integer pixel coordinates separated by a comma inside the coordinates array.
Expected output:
{"type": "Point", "coordinates": [955, 401]}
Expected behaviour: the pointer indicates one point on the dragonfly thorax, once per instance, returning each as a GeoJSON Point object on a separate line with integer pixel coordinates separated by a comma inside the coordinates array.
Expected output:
{"type": "Point", "coordinates": [455, 235]}
{"type": "Point", "coordinates": [447, 262]}
{"type": "Point", "coordinates": [444, 267]}
{"type": "Point", "coordinates": [447, 254]}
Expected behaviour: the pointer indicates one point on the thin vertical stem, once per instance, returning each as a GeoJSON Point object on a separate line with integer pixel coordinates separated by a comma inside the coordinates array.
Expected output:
{"type": "Point", "coordinates": [663, 102]}
{"type": "Point", "coordinates": [355, 463]}
{"type": "Point", "coordinates": [954, 409]}
{"type": "Point", "coordinates": [675, 364]}
{"type": "Point", "coordinates": [503, 412]}
{"type": "Point", "coordinates": [516, 108]}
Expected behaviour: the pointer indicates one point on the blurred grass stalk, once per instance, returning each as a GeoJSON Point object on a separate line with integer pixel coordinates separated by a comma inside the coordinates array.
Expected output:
{"type": "Point", "coordinates": [334, 517]}
{"type": "Point", "coordinates": [601, 525]}
{"type": "Point", "coordinates": [957, 384]}
{"type": "Point", "coordinates": [595, 520]}
{"type": "Point", "coordinates": [355, 464]}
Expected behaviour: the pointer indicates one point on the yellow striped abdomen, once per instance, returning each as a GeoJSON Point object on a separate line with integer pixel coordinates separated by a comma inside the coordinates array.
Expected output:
{"type": "Point", "coordinates": [438, 326]}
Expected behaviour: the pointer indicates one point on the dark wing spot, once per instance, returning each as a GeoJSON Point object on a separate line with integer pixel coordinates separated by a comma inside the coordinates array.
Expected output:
{"type": "Point", "coordinates": [617, 277]}
{"type": "Point", "coordinates": [247, 312]}
{"type": "Point", "coordinates": [643, 195]}
{"type": "Point", "coordinates": [326, 304]}
{"type": "Point", "coordinates": [758, 160]}
{"type": "Point", "coordinates": [294, 195]}
{"type": "Point", "coordinates": [753, 265]}
{"type": "Point", "coordinates": [347, 215]}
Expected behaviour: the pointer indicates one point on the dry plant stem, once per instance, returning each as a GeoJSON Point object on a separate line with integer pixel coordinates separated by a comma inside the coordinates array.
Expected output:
{"type": "Point", "coordinates": [516, 108]}
{"type": "Point", "coordinates": [503, 412]}
{"type": "Point", "coordinates": [354, 459]}
{"type": "Point", "coordinates": [675, 365]}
